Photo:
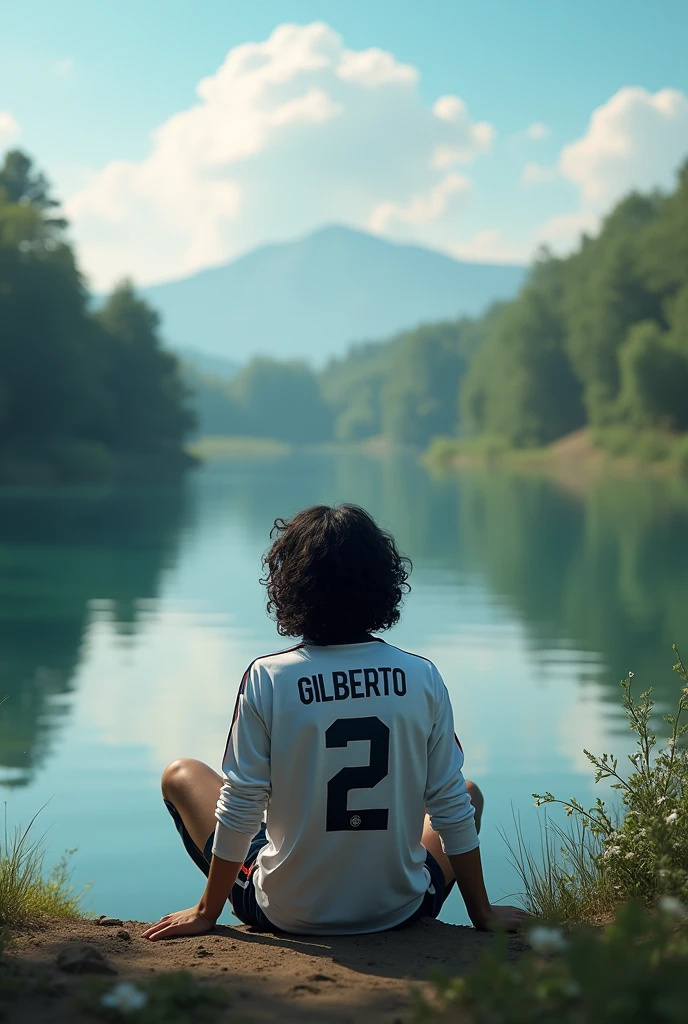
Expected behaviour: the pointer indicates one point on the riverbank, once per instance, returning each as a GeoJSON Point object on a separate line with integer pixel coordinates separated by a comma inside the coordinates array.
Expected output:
{"type": "Point", "coordinates": [579, 457]}
{"type": "Point", "coordinates": [293, 979]}
{"type": "Point", "coordinates": [216, 448]}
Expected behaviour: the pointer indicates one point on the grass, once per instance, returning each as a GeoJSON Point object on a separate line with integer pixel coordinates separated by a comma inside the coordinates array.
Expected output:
{"type": "Point", "coordinates": [171, 998]}
{"type": "Point", "coordinates": [27, 894]}
{"type": "Point", "coordinates": [632, 971]}
{"type": "Point", "coordinates": [636, 851]}
{"type": "Point", "coordinates": [563, 882]}
{"type": "Point", "coordinates": [610, 890]}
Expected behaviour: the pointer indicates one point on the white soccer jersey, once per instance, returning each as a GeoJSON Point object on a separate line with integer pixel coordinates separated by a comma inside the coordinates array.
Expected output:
{"type": "Point", "coordinates": [344, 746]}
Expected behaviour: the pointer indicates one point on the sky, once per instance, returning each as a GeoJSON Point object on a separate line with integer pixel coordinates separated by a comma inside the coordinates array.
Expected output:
{"type": "Point", "coordinates": [181, 135]}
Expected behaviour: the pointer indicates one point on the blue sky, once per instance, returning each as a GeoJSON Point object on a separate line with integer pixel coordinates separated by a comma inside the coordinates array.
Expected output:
{"type": "Point", "coordinates": [412, 120]}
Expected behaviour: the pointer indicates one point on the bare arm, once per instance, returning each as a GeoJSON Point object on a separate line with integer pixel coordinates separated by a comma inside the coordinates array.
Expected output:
{"type": "Point", "coordinates": [201, 918]}
{"type": "Point", "coordinates": [468, 871]}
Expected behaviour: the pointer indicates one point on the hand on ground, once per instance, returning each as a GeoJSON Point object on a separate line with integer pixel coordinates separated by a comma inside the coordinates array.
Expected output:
{"type": "Point", "coordinates": [503, 919]}
{"type": "Point", "coordinates": [184, 922]}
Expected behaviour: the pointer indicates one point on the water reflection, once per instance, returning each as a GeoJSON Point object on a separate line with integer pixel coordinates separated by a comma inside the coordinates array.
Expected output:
{"type": "Point", "coordinates": [595, 579]}
{"type": "Point", "coordinates": [59, 553]}
{"type": "Point", "coordinates": [605, 571]}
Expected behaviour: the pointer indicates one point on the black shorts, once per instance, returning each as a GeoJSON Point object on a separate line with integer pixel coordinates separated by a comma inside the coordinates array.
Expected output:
{"type": "Point", "coordinates": [243, 894]}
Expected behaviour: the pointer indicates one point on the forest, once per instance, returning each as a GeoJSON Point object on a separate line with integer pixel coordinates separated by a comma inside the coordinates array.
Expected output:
{"type": "Point", "coordinates": [84, 395]}
{"type": "Point", "coordinates": [597, 339]}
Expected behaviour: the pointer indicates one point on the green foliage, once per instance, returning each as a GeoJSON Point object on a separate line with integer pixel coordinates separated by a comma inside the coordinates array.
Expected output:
{"type": "Point", "coordinates": [565, 883]}
{"type": "Point", "coordinates": [281, 400]}
{"type": "Point", "coordinates": [653, 379]}
{"type": "Point", "coordinates": [638, 851]}
{"type": "Point", "coordinates": [598, 338]}
{"type": "Point", "coordinates": [446, 452]}
{"type": "Point", "coordinates": [146, 397]}
{"type": "Point", "coordinates": [174, 998]}
{"type": "Point", "coordinates": [77, 391]}
{"type": "Point", "coordinates": [26, 894]}
{"type": "Point", "coordinates": [418, 398]}
{"type": "Point", "coordinates": [216, 412]}
{"type": "Point", "coordinates": [605, 293]}
{"type": "Point", "coordinates": [352, 387]}
{"type": "Point", "coordinates": [406, 388]}
{"type": "Point", "coordinates": [630, 972]}
{"type": "Point", "coordinates": [521, 385]}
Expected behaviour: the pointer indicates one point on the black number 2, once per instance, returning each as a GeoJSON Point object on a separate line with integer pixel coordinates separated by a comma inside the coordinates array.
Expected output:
{"type": "Point", "coordinates": [369, 819]}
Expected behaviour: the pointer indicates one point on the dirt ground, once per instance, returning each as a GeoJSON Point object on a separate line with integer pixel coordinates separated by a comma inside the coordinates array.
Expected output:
{"type": "Point", "coordinates": [268, 977]}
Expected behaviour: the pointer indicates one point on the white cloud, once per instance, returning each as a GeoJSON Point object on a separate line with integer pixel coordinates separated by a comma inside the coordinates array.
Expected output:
{"type": "Point", "coordinates": [421, 209]}
{"type": "Point", "coordinates": [537, 130]}
{"type": "Point", "coordinates": [535, 174]}
{"type": "Point", "coordinates": [562, 233]}
{"type": "Point", "coordinates": [288, 134]}
{"type": "Point", "coordinates": [636, 140]}
{"type": "Point", "coordinates": [9, 128]}
{"type": "Point", "coordinates": [374, 67]}
{"type": "Point", "coordinates": [491, 246]}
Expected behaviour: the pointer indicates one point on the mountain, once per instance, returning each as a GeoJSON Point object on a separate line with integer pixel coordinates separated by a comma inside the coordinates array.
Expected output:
{"type": "Point", "coordinates": [312, 297]}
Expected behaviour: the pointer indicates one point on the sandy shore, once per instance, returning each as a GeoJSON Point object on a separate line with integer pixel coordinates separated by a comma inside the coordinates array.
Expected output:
{"type": "Point", "coordinates": [268, 977]}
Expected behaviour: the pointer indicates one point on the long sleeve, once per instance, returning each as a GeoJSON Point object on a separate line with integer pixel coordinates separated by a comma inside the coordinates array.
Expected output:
{"type": "Point", "coordinates": [451, 812]}
{"type": "Point", "coordinates": [246, 771]}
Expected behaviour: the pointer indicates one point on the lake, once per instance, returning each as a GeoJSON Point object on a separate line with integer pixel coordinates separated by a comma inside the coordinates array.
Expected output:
{"type": "Point", "coordinates": [128, 617]}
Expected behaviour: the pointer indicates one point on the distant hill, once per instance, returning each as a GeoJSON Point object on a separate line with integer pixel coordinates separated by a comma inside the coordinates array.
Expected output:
{"type": "Point", "coordinates": [312, 297]}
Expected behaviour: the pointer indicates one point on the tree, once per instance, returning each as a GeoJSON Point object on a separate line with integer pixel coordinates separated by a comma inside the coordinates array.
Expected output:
{"type": "Point", "coordinates": [418, 398]}
{"type": "Point", "coordinates": [521, 385]}
{"type": "Point", "coordinates": [605, 293]}
{"type": "Point", "coordinates": [147, 399]}
{"type": "Point", "coordinates": [75, 389]}
{"type": "Point", "coordinates": [25, 187]}
{"type": "Point", "coordinates": [48, 368]}
{"type": "Point", "coordinates": [281, 400]}
{"type": "Point", "coordinates": [654, 379]}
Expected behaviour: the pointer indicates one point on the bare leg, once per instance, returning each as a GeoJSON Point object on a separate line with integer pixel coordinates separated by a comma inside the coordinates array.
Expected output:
{"type": "Point", "coordinates": [431, 840]}
{"type": "Point", "coordinates": [193, 788]}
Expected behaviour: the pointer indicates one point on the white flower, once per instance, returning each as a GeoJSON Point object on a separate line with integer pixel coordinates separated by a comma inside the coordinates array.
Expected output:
{"type": "Point", "coordinates": [661, 800]}
{"type": "Point", "coordinates": [611, 851]}
{"type": "Point", "coordinates": [670, 905]}
{"type": "Point", "coordinates": [629, 855]}
{"type": "Point", "coordinates": [671, 818]}
{"type": "Point", "coordinates": [630, 675]}
{"type": "Point", "coordinates": [546, 940]}
{"type": "Point", "coordinates": [125, 997]}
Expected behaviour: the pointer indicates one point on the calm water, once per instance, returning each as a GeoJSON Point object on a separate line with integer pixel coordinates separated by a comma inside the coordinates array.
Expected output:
{"type": "Point", "coordinates": [127, 619]}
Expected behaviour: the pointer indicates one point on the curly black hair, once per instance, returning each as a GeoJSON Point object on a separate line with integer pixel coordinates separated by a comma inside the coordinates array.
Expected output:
{"type": "Point", "coordinates": [332, 574]}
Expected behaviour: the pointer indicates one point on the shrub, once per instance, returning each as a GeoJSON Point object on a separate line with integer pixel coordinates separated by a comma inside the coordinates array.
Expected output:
{"type": "Point", "coordinates": [630, 972]}
{"type": "Point", "coordinates": [643, 850]}
{"type": "Point", "coordinates": [637, 851]}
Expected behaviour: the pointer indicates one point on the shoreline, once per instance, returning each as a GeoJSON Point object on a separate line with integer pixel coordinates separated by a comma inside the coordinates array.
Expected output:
{"type": "Point", "coordinates": [573, 461]}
